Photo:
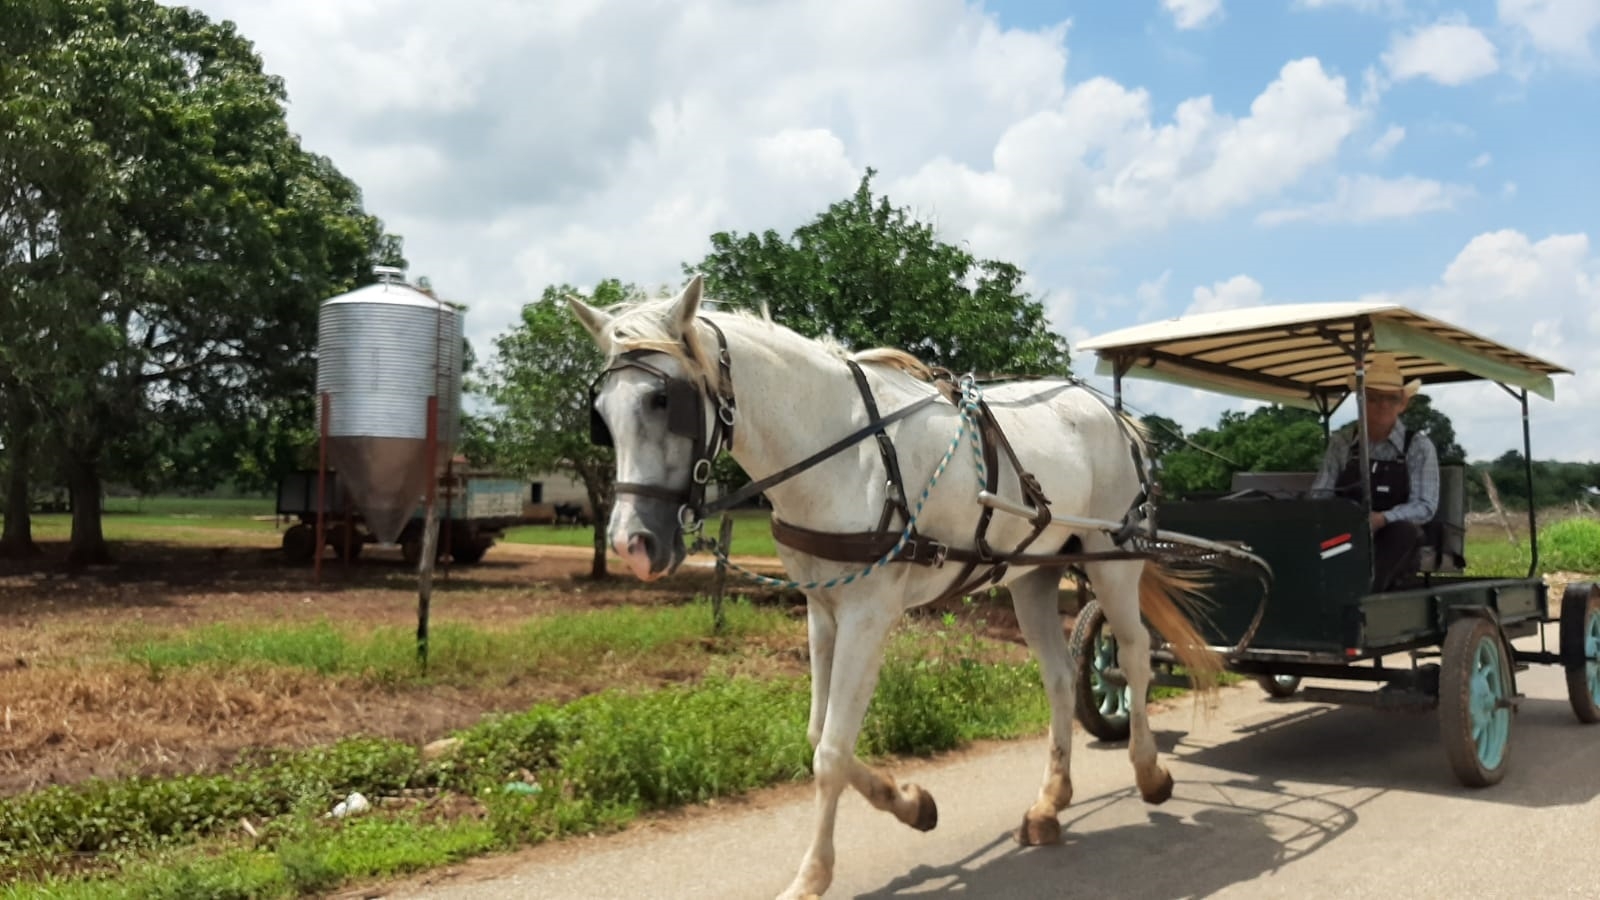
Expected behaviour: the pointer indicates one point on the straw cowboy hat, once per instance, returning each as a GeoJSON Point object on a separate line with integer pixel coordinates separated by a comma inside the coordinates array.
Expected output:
{"type": "Point", "coordinates": [1383, 374]}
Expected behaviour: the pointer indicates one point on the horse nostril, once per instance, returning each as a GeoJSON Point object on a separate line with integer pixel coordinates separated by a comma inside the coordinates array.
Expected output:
{"type": "Point", "coordinates": [642, 541]}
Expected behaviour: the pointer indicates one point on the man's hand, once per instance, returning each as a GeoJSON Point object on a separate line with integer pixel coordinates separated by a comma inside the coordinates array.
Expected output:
{"type": "Point", "coordinates": [1376, 520]}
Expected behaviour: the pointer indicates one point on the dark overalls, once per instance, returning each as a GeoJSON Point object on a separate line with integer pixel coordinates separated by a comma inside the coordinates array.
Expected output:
{"type": "Point", "coordinates": [1395, 545]}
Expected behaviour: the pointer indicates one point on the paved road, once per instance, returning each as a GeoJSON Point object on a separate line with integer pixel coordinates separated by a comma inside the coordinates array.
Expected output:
{"type": "Point", "coordinates": [1273, 799]}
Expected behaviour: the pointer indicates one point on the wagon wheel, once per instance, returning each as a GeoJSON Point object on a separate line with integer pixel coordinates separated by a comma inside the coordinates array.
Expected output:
{"type": "Point", "coordinates": [1580, 649]}
{"type": "Point", "coordinates": [299, 542]}
{"type": "Point", "coordinates": [1104, 700]}
{"type": "Point", "coordinates": [469, 550]}
{"type": "Point", "coordinates": [1280, 686]}
{"type": "Point", "coordinates": [1475, 701]}
{"type": "Point", "coordinates": [335, 538]}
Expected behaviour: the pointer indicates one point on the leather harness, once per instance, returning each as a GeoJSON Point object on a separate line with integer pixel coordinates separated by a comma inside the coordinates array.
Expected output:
{"type": "Point", "coordinates": [865, 546]}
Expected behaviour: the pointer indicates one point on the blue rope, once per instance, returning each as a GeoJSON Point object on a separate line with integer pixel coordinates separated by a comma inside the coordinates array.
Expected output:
{"type": "Point", "coordinates": [969, 415]}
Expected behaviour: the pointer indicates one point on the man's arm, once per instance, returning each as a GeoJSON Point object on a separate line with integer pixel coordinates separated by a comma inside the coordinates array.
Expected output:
{"type": "Point", "coordinates": [1422, 464]}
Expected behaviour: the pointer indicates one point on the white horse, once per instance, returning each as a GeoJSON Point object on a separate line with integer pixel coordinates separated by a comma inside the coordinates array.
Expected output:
{"type": "Point", "coordinates": [794, 395]}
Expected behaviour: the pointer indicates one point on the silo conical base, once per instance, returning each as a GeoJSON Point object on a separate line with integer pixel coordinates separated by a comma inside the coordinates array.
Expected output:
{"type": "Point", "coordinates": [386, 478]}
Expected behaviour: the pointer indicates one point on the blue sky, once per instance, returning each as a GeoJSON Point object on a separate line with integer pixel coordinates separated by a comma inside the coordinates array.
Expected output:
{"type": "Point", "coordinates": [1138, 158]}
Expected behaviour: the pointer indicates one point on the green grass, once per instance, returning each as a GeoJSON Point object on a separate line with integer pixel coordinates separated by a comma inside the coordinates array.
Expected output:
{"type": "Point", "coordinates": [752, 534]}
{"type": "Point", "coordinates": [191, 507]}
{"type": "Point", "coordinates": [599, 762]}
{"type": "Point", "coordinates": [1571, 545]}
{"type": "Point", "coordinates": [460, 654]}
{"type": "Point", "coordinates": [180, 520]}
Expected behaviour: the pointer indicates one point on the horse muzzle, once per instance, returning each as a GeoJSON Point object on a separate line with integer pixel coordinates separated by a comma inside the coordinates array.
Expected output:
{"type": "Point", "coordinates": [648, 538]}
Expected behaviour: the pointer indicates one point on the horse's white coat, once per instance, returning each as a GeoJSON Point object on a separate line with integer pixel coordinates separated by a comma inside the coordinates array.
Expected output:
{"type": "Point", "coordinates": [795, 396]}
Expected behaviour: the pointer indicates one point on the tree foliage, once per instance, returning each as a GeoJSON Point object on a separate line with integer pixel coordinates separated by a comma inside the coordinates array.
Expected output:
{"type": "Point", "coordinates": [1268, 439]}
{"type": "Point", "coordinates": [868, 274]}
{"type": "Point", "coordinates": [166, 242]}
{"type": "Point", "coordinates": [538, 379]}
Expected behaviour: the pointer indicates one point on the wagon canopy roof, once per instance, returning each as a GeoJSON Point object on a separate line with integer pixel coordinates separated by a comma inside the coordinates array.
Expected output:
{"type": "Point", "coordinates": [1296, 354]}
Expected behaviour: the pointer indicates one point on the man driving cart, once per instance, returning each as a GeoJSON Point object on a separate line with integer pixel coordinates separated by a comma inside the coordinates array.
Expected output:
{"type": "Point", "coordinates": [1405, 472]}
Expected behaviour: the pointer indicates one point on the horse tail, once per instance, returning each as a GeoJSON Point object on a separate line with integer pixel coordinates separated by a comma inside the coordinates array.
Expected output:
{"type": "Point", "coordinates": [1170, 602]}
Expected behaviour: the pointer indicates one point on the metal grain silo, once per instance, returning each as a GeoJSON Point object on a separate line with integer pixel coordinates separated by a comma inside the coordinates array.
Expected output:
{"type": "Point", "coordinates": [382, 351]}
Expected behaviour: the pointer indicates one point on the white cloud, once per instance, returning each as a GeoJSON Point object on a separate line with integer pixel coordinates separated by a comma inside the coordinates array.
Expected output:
{"type": "Point", "coordinates": [1448, 52]}
{"type": "Point", "coordinates": [1509, 189]}
{"type": "Point", "coordinates": [1386, 142]}
{"type": "Point", "coordinates": [1394, 6]}
{"type": "Point", "coordinates": [1541, 297]}
{"type": "Point", "coordinates": [1188, 14]}
{"type": "Point", "coordinates": [1481, 160]}
{"type": "Point", "coordinates": [1557, 27]}
{"type": "Point", "coordinates": [1095, 167]}
{"type": "Point", "coordinates": [1238, 292]}
{"type": "Point", "coordinates": [1368, 198]}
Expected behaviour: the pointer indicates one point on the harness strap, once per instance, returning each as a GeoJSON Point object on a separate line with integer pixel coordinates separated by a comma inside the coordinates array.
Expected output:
{"type": "Point", "coordinates": [896, 499]}
{"type": "Point", "coordinates": [866, 546]}
{"type": "Point", "coordinates": [728, 501]}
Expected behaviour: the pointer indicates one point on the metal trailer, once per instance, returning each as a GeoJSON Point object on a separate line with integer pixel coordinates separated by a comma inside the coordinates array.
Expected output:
{"type": "Point", "coordinates": [474, 511]}
{"type": "Point", "coordinates": [1320, 619]}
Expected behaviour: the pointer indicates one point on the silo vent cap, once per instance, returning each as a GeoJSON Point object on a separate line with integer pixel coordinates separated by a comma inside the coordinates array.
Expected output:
{"type": "Point", "coordinates": [389, 274]}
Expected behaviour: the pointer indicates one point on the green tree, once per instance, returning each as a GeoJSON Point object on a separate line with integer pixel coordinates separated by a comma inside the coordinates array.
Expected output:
{"type": "Point", "coordinates": [1268, 439]}
{"type": "Point", "coordinates": [1421, 415]}
{"type": "Point", "coordinates": [868, 274]}
{"type": "Point", "coordinates": [538, 379]}
{"type": "Point", "coordinates": [182, 241]}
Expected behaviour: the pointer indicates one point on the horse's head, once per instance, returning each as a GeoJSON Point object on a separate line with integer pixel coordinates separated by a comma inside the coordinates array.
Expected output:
{"type": "Point", "coordinates": [654, 403]}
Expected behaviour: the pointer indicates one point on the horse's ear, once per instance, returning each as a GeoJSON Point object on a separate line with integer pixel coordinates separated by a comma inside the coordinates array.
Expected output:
{"type": "Point", "coordinates": [686, 307]}
{"type": "Point", "coordinates": [596, 321]}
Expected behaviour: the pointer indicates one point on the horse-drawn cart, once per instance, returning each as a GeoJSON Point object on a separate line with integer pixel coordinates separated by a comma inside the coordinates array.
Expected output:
{"type": "Point", "coordinates": [1320, 617]}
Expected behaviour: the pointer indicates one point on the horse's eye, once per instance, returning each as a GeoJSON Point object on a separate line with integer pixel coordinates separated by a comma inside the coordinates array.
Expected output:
{"type": "Point", "coordinates": [658, 400]}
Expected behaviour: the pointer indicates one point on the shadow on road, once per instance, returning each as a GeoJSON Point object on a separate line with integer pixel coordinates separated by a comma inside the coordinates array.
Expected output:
{"type": "Point", "coordinates": [1209, 836]}
{"type": "Point", "coordinates": [1553, 757]}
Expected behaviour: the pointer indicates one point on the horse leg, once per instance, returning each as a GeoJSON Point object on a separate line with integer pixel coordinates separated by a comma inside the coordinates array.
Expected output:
{"type": "Point", "coordinates": [860, 636]}
{"type": "Point", "coordinates": [1035, 597]}
{"type": "Point", "coordinates": [1116, 585]}
{"type": "Point", "coordinates": [821, 630]}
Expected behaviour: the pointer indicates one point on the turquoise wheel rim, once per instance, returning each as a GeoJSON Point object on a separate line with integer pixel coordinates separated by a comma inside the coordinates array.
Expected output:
{"type": "Point", "coordinates": [1491, 716]}
{"type": "Point", "coordinates": [1591, 655]}
{"type": "Point", "coordinates": [1113, 704]}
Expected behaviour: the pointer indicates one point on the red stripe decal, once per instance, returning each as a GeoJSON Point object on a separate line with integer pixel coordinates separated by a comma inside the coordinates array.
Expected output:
{"type": "Point", "coordinates": [1335, 540]}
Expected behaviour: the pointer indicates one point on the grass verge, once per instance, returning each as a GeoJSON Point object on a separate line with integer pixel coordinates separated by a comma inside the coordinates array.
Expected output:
{"type": "Point", "coordinates": [586, 766]}
{"type": "Point", "coordinates": [459, 653]}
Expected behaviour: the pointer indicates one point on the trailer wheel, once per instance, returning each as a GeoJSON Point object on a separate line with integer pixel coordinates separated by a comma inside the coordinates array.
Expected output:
{"type": "Point", "coordinates": [335, 538]}
{"type": "Point", "coordinates": [1580, 649]}
{"type": "Point", "coordinates": [1475, 701]}
{"type": "Point", "coordinates": [299, 542]}
{"type": "Point", "coordinates": [1104, 701]}
{"type": "Point", "coordinates": [1280, 686]}
{"type": "Point", "coordinates": [469, 551]}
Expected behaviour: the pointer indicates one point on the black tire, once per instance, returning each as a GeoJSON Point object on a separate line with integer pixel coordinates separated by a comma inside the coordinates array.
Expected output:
{"type": "Point", "coordinates": [335, 538]}
{"type": "Point", "coordinates": [300, 542]}
{"type": "Point", "coordinates": [1580, 649]}
{"type": "Point", "coordinates": [1474, 693]}
{"type": "Point", "coordinates": [1102, 707]}
{"type": "Point", "coordinates": [469, 552]}
{"type": "Point", "coordinates": [1279, 686]}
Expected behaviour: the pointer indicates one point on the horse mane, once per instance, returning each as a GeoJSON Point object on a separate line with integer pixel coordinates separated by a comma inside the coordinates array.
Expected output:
{"type": "Point", "coordinates": [641, 324]}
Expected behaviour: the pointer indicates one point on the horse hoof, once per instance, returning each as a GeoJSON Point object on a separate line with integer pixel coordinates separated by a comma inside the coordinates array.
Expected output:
{"type": "Point", "coordinates": [1039, 831]}
{"type": "Point", "coordinates": [927, 815]}
{"type": "Point", "coordinates": [1161, 793]}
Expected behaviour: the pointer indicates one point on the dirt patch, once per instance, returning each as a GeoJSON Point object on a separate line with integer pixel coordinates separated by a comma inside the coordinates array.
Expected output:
{"type": "Point", "coordinates": [71, 708]}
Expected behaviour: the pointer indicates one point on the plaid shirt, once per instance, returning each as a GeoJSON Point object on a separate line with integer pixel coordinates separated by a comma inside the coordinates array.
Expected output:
{"type": "Point", "coordinates": [1422, 464]}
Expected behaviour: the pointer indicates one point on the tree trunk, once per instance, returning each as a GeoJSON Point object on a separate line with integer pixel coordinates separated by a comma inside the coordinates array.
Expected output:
{"type": "Point", "coordinates": [602, 518]}
{"type": "Point", "coordinates": [17, 541]}
{"type": "Point", "coordinates": [88, 540]}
